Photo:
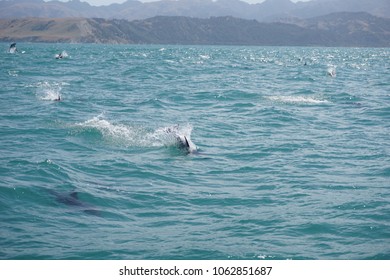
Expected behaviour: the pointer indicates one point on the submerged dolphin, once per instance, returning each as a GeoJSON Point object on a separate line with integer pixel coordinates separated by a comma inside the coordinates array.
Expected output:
{"type": "Point", "coordinates": [69, 199]}
{"type": "Point", "coordinates": [72, 199]}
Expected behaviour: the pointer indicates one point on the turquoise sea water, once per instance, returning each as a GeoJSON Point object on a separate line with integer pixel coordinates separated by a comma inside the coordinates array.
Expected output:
{"type": "Point", "coordinates": [292, 163]}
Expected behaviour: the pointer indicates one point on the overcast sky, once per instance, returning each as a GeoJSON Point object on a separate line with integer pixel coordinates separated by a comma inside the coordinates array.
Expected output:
{"type": "Point", "coordinates": [108, 2]}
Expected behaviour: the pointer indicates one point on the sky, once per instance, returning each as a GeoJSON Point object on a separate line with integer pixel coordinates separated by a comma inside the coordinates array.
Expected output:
{"type": "Point", "coordinates": [108, 2]}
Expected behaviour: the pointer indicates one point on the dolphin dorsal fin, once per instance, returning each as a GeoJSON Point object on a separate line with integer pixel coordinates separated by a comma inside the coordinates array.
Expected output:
{"type": "Point", "coordinates": [75, 195]}
{"type": "Point", "coordinates": [187, 144]}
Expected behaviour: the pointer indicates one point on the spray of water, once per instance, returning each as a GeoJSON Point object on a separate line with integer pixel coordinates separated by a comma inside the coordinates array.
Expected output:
{"type": "Point", "coordinates": [134, 135]}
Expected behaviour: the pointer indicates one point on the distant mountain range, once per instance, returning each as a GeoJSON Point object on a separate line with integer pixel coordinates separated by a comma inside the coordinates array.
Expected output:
{"type": "Point", "coordinates": [270, 10]}
{"type": "Point", "coordinates": [337, 29]}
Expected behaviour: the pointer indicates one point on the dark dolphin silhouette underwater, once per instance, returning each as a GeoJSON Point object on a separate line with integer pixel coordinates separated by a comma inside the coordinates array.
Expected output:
{"type": "Point", "coordinates": [72, 199]}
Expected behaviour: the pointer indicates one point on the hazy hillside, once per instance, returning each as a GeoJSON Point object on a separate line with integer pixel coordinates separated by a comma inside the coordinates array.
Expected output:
{"type": "Point", "coordinates": [340, 29]}
{"type": "Point", "coordinates": [270, 10]}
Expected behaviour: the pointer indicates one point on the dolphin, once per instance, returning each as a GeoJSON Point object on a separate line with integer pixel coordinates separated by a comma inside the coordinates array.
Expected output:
{"type": "Point", "coordinates": [186, 144]}
{"type": "Point", "coordinates": [182, 141]}
{"type": "Point", "coordinates": [61, 55]}
{"type": "Point", "coordinates": [331, 72]}
{"type": "Point", "coordinates": [69, 199]}
{"type": "Point", "coordinates": [12, 48]}
{"type": "Point", "coordinates": [72, 199]}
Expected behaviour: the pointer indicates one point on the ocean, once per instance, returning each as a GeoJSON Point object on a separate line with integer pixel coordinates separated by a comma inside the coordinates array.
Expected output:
{"type": "Point", "coordinates": [291, 162]}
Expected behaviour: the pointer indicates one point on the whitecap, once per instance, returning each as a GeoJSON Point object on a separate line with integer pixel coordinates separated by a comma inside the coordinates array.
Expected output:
{"type": "Point", "coordinates": [298, 99]}
{"type": "Point", "coordinates": [13, 73]}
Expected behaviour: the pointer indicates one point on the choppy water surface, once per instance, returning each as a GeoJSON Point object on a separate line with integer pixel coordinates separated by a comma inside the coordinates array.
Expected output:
{"type": "Point", "coordinates": [292, 163]}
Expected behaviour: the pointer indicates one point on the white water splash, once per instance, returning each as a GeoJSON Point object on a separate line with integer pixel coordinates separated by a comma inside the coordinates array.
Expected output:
{"type": "Point", "coordinates": [132, 135]}
{"type": "Point", "coordinates": [62, 54]}
{"type": "Point", "coordinates": [331, 71]}
{"type": "Point", "coordinates": [168, 135]}
{"type": "Point", "coordinates": [298, 99]}
{"type": "Point", "coordinates": [49, 91]}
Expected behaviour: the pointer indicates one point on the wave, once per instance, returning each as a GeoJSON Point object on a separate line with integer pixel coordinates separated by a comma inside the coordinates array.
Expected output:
{"type": "Point", "coordinates": [131, 135]}
{"type": "Point", "coordinates": [298, 99]}
{"type": "Point", "coordinates": [13, 73]}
